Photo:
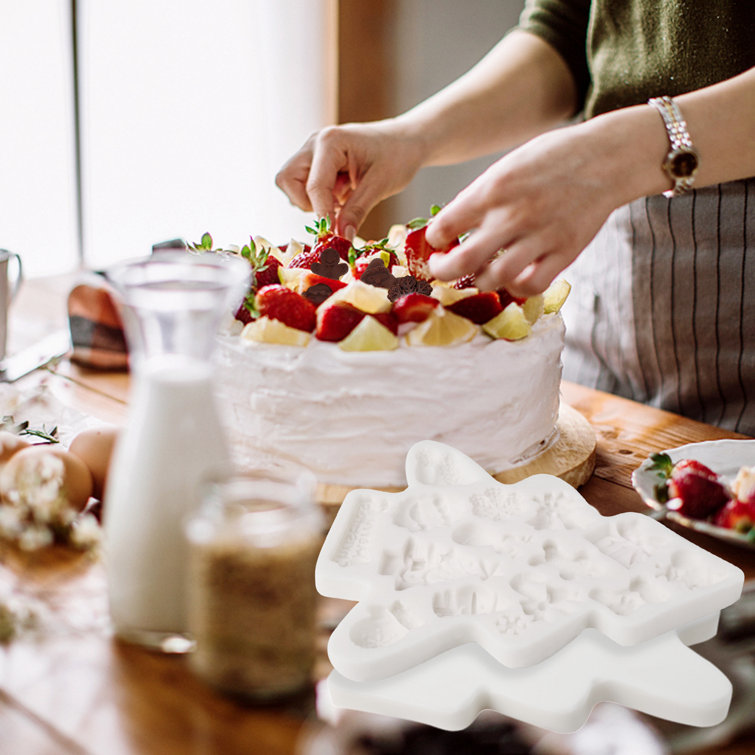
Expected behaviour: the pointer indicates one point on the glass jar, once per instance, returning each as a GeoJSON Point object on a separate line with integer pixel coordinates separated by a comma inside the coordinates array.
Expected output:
{"type": "Point", "coordinates": [252, 602]}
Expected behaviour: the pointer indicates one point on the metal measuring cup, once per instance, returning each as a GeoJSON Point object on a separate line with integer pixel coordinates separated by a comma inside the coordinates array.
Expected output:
{"type": "Point", "coordinates": [8, 291]}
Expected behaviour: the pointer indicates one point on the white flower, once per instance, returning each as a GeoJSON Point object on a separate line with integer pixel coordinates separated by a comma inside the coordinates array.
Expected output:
{"type": "Point", "coordinates": [35, 537]}
{"type": "Point", "coordinates": [10, 522]}
{"type": "Point", "coordinates": [85, 532]}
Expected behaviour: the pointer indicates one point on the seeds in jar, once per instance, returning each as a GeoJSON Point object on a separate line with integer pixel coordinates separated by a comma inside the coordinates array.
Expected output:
{"type": "Point", "coordinates": [252, 611]}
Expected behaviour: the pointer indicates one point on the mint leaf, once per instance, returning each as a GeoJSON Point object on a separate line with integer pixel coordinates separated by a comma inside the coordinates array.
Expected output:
{"type": "Point", "coordinates": [416, 223]}
{"type": "Point", "coordinates": [319, 228]}
{"type": "Point", "coordinates": [250, 305]}
{"type": "Point", "coordinates": [662, 464]}
{"type": "Point", "coordinates": [660, 491]}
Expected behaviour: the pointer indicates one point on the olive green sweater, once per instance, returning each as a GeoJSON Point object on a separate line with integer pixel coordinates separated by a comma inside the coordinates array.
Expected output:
{"type": "Point", "coordinates": [622, 52]}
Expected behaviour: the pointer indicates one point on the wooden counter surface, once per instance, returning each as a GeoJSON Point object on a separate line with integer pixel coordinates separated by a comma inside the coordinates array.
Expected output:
{"type": "Point", "coordinates": [71, 687]}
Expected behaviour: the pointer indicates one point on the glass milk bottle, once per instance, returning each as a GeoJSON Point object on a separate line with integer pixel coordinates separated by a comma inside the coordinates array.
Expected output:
{"type": "Point", "coordinates": [172, 304]}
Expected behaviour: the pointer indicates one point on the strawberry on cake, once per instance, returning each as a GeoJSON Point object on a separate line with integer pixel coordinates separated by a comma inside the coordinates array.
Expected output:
{"type": "Point", "coordinates": [342, 357]}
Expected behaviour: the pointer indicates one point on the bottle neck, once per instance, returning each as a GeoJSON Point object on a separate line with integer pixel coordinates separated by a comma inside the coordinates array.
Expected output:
{"type": "Point", "coordinates": [178, 336]}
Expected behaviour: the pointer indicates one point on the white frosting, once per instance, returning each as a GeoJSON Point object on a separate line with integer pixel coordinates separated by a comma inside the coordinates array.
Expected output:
{"type": "Point", "coordinates": [351, 417]}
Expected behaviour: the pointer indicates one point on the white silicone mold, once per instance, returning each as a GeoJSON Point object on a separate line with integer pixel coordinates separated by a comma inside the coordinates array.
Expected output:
{"type": "Point", "coordinates": [661, 677]}
{"type": "Point", "coordinates": [520, 569]}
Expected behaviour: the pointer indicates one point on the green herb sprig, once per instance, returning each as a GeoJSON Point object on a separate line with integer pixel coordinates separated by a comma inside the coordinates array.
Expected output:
{"type": "Point", "coordinates": [22, 428]}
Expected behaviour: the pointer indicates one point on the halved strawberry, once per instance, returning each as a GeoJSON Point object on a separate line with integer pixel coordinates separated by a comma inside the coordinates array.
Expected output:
{"type": "Point", "coordinates": [360, 265]}
{"type": "Point", "coordinates": [466, 281]}
{"type": "Point", "coordinates": [692, 465]}
{"type": "Point", "coordinates": [736, 515]}
{"type": "Point", "coordinates": [312, 279]}
{"type": "Point", "coordinates": [418, 252]}
{"type": "Point", "coordinates": [478, 308]}
{"type": "Point", "coordinates": [335, 321]}
{"type": "Point", "coordinates": [325, 238]}
{"type": "Point", "coordinates": [414, 307]}
{"type": "Point", "coordinates": [264, 272]}
{"type": "Point", "coordinates": [506, 298]}
{"type": "Point", "coordinates": [694, 490]}
{"type": "Point", "coordinates": [371, 247]}
{"type": "Point", "coordinates": [306, 258]}
{"type": "Point", "coordinates": [267, 274]}
{"type": "Point", "coordinates": [247, 310]}
{"type": "Point", "coordinates": [341, 244]}
{"type": "Point", "coordinates": [283, 248]}
{"type": "Point", "coordinates": [243, 314]}
{"type": "Point", "coordinates": [301, 279]}
{"type": "Point", "coordinates": [292, 309]}
{"type": "Point", "coordinates": [389, 320]}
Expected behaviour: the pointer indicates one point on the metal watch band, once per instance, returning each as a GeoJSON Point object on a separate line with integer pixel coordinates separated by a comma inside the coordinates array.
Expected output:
{"type": "Point", "coordinates": [681, 147]}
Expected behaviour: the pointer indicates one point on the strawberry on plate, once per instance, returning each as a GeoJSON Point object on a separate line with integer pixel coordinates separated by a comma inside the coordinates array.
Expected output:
{"type": "Point", "coordinates": [736, 515]}
{"type": "Point", "coordinates": [280, 303]}
{"type": "Point", "coordinates": [694, 490]}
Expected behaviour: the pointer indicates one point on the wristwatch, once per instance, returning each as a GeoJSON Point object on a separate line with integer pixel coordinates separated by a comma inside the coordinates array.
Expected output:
{"type": "Point", "coordinates": [683, 160]}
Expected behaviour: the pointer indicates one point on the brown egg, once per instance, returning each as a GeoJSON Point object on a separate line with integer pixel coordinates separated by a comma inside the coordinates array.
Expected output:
{"type": "Point", "coordinates": [37, 465]}
{"type": "Point", "coordinates": [95, 448]}
{"type": "Point", "coordinates": [10, 443]}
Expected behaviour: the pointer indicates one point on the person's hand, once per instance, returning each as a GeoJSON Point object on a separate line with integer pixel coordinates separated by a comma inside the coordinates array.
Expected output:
{"type": "Point", "coordinates": [342, 172]}
{"type": "Point", "coordinates": [541, 203]}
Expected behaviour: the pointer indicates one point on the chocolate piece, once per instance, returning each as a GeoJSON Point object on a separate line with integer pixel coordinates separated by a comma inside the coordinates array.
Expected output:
{"type": "Point", "coordinates": [376, 274]}
{"type": "Point", "coordinates": [330, 265]}
{"type": "Point", "coordinates": [408, 284]}
{"type": "Point", "coordinates": [318, 293]}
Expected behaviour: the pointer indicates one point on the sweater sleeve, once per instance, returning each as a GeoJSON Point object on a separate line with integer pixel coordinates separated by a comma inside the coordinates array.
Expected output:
{"type": "Point", "coordinates": [563, 24]}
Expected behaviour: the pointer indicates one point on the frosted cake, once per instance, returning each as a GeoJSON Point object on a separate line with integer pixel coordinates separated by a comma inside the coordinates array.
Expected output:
{"type": "Point", "coordinates": [341, 362]}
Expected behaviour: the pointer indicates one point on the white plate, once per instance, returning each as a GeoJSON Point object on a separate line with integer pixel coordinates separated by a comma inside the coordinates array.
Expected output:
{"type": "Point", "coordinates": [724, 457]}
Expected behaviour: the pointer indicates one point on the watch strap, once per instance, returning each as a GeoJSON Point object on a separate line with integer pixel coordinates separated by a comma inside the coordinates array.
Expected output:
{"type": "Point", "coordinates": [681, 146]}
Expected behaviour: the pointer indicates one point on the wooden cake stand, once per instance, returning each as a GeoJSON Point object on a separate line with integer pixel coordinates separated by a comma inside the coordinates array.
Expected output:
{"type": "Point", "coordinates": [571, 457]}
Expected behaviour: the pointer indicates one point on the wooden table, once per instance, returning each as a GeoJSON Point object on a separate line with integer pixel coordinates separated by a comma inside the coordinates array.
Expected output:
{"type": "Point", "coordinates": [74, 688]}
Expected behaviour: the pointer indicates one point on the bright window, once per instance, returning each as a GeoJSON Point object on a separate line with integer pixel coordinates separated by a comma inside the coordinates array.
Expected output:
{"type": "Point", "coordinates": [187, 109]}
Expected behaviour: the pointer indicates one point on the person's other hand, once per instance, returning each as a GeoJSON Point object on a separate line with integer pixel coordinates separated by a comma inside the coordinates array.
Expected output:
{"type": "Point", "coordinates": [342, 172]}
{"type": "Point", "coordinates": [542, 203]}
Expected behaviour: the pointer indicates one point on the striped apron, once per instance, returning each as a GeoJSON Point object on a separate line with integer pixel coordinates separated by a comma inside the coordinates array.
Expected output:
{"type": "Point", "coordinates": [662, 308]}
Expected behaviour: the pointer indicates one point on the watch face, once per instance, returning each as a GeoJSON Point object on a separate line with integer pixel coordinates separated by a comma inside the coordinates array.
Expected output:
{"type": "Point", "coordinates": [682, 163]}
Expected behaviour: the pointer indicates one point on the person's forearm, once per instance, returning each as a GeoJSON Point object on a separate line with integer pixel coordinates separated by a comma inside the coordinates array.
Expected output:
{"type": "Point", "coordinates": [521, 88]}
{"type": "Point", "coordinates": [544, 202]}
{"type": "Point", "coordinates": [721, 123]}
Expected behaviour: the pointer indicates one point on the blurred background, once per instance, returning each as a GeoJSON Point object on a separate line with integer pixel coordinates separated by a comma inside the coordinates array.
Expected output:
{"type": "Point", "coordinates": [128, 122]}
